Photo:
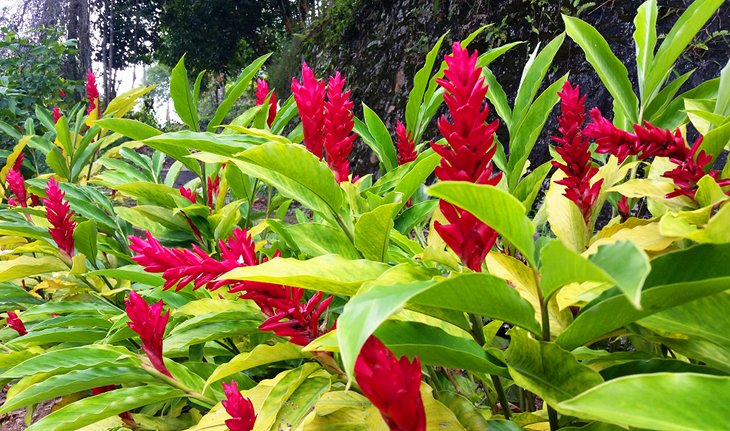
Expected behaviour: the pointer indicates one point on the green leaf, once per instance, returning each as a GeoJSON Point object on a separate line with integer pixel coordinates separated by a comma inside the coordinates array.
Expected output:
{"type": "Point", "coordinates": [59, 361]}
{"type": "Point", "coordinates": [329, 273]}
{"type": "Point", "coordinates": [85, 239]}
{"type": "Point", "coordinates": [372, 231]}
{"type": "Point", "coordinates": [182, 96]}
{"type": "Point", "coordinates": [722, 105]}
{"type": "Point", "coordinates": [134, 129]}
{"type": "Point", "coordinates": [673, 114]}
{"type": "Point", "coordinates": [610, 69]}
{"type": "Point", "coordinates": [58, 335]}
{"type": "Point", "coordinates": [659, 103]}
{"type": "Point", "coordinates": [380, 138]}
{"type": "Point", "coordinates": [561, 266]}
{"type": "Point", "coordinates": [73, 382]}
{"type": "Point", "coordinates": [296, 173]}
{"type": "Point", "coordinates": [675, 279]}
{"type": "Point", "coordinates": [420, 82]}
{"type": "Point", "coordinates": [497, 96]}
{"type": "Point", "coordinates": [302, 401]}
{"type": "Point", "coordinates": [546, 369]}
{"type": "Point", "coordinates": [434, 346]}
{"type": "Point", "coordinates": [681, 34]}
{"type": "Point", "coordinates": [316, 239]}
{"type": "Point", "coordinates": [715, 141]}
{"type": "Point", "coordinates": [465, 293]}
{"type": "Point", "coordinates": [645, 39]}
{"type": "Point", "coordinates": [26, 266]}
{"type": "Point", "coordinates": [133, 273]}
{"type": "Point", "coordinates": [495, 207]}
{"type": "Point", "coordinates": [96, 408]}
{"type": "Point", "coordinates": [657, 401]}
{"type": "Point", "coordinates": [235, 92]}
{"type": "Point", "coordinates": [280, 393]}
{"type": "Point", "coordinates": [262, 354]}
{"type": "Point", "coordinates": [366, 311]}
{"type": "Point", "coordinates": [532, 77]}
{"type": "Point", "coordinates": [627, 265]}
{"type": "Point", "coordinates": [527, 189]}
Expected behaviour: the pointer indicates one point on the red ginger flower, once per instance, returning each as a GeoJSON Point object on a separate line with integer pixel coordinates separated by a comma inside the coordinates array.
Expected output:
{"type": "Point", "coordinates": [405, 144]}
{"type": "Point", "coordinates": [392, 386]}
{"type": "Point", "coordinates": [16, 184]}
{"type": "Point", "coordinates": [309, 97]}
{"type": "Point", "coordinates": [188, 194]}
{"type": "Point", "coordinates": [690, 169]}
{"type": "Point", "coordinates": [610, 139]}
{"type": "Point", "coordinates": [573, 148]}
{"type": "Point", "coordinates": [56, 114]}
{"type": "Point", "coordinates": [213, 189]}
{"type": "Point", "coordinates": [468, 157]}
{"type": "Point", "coordinates": [59, 214]}
{"type": "Point", "coordinates": [240, 408]}
{"type": "Point", "coordinates": [262, 90]}
{"type": "Point", "coordinates": [92, 93]}
{"type": "Point", "coordinates": [338, 124]}
{"type": "Point", "coordinates": [149, 323]}
{"type": "Point", "coordinates": [15, 323]}
{"type": "Point", "coordinates": [288, 314]}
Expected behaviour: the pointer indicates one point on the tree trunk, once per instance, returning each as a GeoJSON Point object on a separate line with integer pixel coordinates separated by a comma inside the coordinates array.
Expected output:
{"type": "Point", "coordinates": [77, 27]}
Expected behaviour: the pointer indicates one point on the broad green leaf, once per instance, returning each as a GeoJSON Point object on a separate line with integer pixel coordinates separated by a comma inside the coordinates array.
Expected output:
{"type": "Point", "coordinates": [73, 382]}
{"type": "Point", "coordinates": [654, 365]}
{"type": "Point", "coordinates": [366, 311]}
{"type": "Point", "coordinates": [58, 335]}
{"type": "Point", "coordinates": [681, 34]}
{"type": "Point", "coordinates": [644, 402]}
{"type": "Point", "coordinates": [645, 39]}
{"type": "Point", "coordinates": [673, 115]}
{"type": "Point", "coordinates": [315, 239]}
{"type": "Point", "coordinates": [26, 266]}
{"type": "Point", "coordinates": [132, 273]}
{"type": "Point", "coordinates": [296, 173]}
{"type": "Point", "coordinates": [527, 189]}
{"type": "Point", "coordinates": [134, 129]}
{"type": "Point", "coordinates": [262, 354]}
{"type": "Point", "coordinates": [561, 266]}
{"type": "Point", "coordinates": [434, 346]}
{"type": "Point", "coordinates": [547, 370]}
{"type": "Point", "coordinates": [661, 100]}
{"type": "Point", "coordinates": [698, 329]}
{"type": "Point", "coordinates": [85, 240]}
{"type": "Point", "coordinates": [675, 279]}
{"type": "Point", "coordinates": [722, 105]}
{"type": "Point", "coordinates": [612, 72]}
{"type": "Point", "coordinates": [182, 96]}
{"type": "Point", "coordinates": [372, 232]}
{"type": "Point", "coordinates": [96, 408]}
{"type": "Point", "coordinates": [414, 179]}
{"type": "Point", "coordinates": [329, 273]}
{"type": "Point", "coordinates": [716, 140]}
{"type": "Point", "coordinates": [126, 101]}
{"type": "Point", "coordinates": [627, 266]}
{"type": "Point", "coordinates": [465, 293]}
{"type": "Point", "coordinates": [236, 90]}
{"type": "Point", "coordinates": [280, 393]}
{"type": "Point", "coordinates": [381, 138]}
{"type": "Point", "coordinates": [495, 207]}
{"type": "Point", "coordinates": [217, 144]}
{"type": "Point", "coordinates": [497, 96]}
{"type": "Point", "coordinates": [209, 327]}
{"type": "Point", "coordinates": [58, 361]}
{"type": "Point", "coordinates": [302, 401]}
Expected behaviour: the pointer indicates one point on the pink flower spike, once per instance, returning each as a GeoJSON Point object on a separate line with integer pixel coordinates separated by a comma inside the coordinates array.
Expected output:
{"type": "Point", "coordinates": [15, 323]}
{"type": "Point", "coordinates": [468, 155]}
{"type": "Point", "coordinates": [213, 188]}
{"type": "Point", "coordinates": [610, 139]}
{"type": "Point", "coordinates": [56, 114]}
{"type": "Point", "coordinates": [149, 323]}
{"type": "Point", "coordinates": [573, 147]}
{"type": "Point", "coordinates": [241, 409]}
{"type": "Point", "coordinates": [309, 97]}
{"type": "Point", "coordinates": [262, 90]}
{"type": "Point", "coordinates": [59, 214]}
{"type": "Point", "coordinates": [188, 194]}
{"type": "Point", "coordinates": [405, 144]}
{"type": "Point", "coordinates": [92, 92]}
{"type": "Point", "coordinates": [16, 184]}
{"type": "Point", "coordinates": [338, 124]}
{"type": "Point", "coordinates": [392, 386]}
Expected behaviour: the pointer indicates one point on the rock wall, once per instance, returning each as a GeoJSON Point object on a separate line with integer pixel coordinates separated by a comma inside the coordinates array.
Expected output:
{"type": "Point", "coordinates": [383, 43]}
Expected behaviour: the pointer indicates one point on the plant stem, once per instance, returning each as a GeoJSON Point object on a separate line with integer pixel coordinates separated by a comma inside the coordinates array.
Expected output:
{"type": "Point", "coordinates": [176, 384]}
{"type": "Point", "coordinates": [545, 314]}
{"type": "Point", "coordinates": [477, 331]}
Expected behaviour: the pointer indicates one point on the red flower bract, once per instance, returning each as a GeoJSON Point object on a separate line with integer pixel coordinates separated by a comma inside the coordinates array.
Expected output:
{"type": "Point", "coordinates": [392, 386]}
{"type": "Point", "coordinates": [468, 157]}
{"type": "Point", "coordinates": [610, 139]}
{"type": "Point", "coordinates": [262, 90]}
{"type": "Point", "coordinates": [240, 408]}
{"type": "Point", "coordinates": [15, 323]}
{"type": "Point", "coordinates": [188, 194]}
{"type": "Point", "coordinates": [213, 189]}
{"type": "Point", "coordinates": [309, 97]}
{"type": "Point", "coordinates": [289, 313]}
{"type": "Point", "coordinates": [149, 322]}
{"type": "Point", "coordinates": [405, 144]}
{"type": "Point", "coordinates": [56, 114]}
{"type": "Point", "coordinates": [338, 124]}
{"type": "Point", "coordinates": [92, 93]}
{"type": "Point", "coordinates": [16, 184]}
{"type": "Point", "coordinates": [59, 214]}
{"type": "Point", "coordinates": [573, 148]}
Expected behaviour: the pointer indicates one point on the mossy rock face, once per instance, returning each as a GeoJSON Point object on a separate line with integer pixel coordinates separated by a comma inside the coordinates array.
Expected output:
{"type": "Point", "coordinates": [379, 44]}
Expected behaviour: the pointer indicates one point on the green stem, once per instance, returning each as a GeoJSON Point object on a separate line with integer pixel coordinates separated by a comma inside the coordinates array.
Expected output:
{"type": "Point", "coordinates": [178, 385]}
{"type": "Point", "coordinates": [545, 314]}
{"type": "Point", "coordinates": [477, 332]}
{"type": "Point", "coordinates": [251, 200]}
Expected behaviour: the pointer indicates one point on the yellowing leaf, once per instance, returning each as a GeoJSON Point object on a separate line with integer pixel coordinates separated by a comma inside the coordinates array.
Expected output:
{"type": "Point", "coordinates": [647, 237]}
{"type": "Point", "coordinates": [564, 216]}
{"type": "Point", "coordinates": [13, 156]}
